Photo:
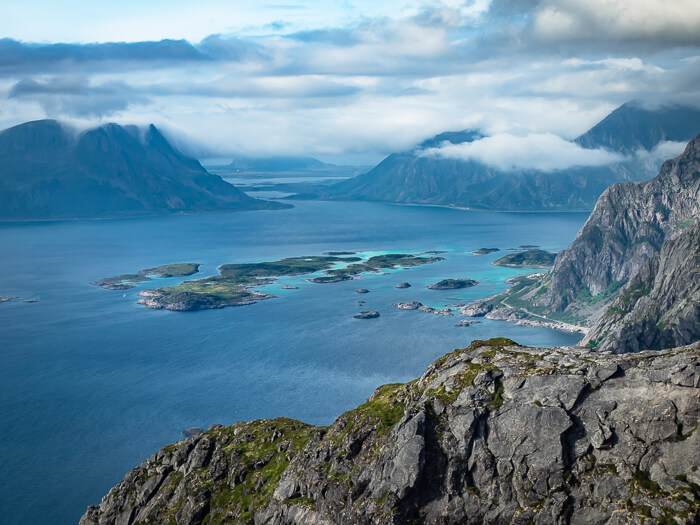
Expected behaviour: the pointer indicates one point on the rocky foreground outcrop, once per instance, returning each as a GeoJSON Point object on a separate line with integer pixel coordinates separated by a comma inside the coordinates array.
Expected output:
{"type": "Point", "coordinates": [493, 433]}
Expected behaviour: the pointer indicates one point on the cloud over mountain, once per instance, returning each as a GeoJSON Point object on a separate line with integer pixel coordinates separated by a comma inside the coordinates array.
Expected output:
{"type": "Point", "coordinates": [536, 151]}
{"type": "Point", "coordinates": [355, 81]}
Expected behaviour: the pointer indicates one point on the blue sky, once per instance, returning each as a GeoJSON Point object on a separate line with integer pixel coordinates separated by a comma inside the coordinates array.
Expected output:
{"type": "Point", "coordinates": [346, 81]}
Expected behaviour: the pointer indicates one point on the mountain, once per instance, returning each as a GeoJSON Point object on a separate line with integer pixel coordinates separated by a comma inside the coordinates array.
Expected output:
{"type": "Point", "coordinates": [276, 164]}
{"type": "Point", "coordinates": [632, 127]}
{"type": "Point", "coordinates": [493, 433]}
{"type": "Point", "coordinates": [632, 275]}
{"type": "Point", "coordinates": [409, 177]}
{"type": "Point", "coordinates": [49, 172]}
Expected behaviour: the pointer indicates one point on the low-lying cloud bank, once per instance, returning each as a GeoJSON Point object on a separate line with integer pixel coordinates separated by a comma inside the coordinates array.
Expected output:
{"type": "Point", "coordinates": [536, 151]}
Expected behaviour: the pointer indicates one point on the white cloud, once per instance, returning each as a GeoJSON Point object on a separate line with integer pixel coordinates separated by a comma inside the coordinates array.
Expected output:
{"type": "Point", "coordinates": [345, 80]}
{"type": "Point", "coordinates": [664, 150]}
{"type": "Point", "coordinates": [572, 20]}
{"type": "Point", "coordinates": [538, 151]}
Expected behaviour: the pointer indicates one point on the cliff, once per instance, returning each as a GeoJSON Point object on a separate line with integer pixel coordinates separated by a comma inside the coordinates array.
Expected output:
{"type": "Point", "coordinates": [494, 433]}
{"type": "Point", "coordinates": [49, 172]}
{"type": "Point", "coordinates": [632, 275]}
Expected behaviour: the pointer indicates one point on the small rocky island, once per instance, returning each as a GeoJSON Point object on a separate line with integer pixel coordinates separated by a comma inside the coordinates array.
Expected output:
{"type": "Point", "coordinates": [6, 298]}
{"type": "Point", "coordinates": [129, 280]}
{"type": "Point", "coordinates": [235, 282]}
{"type": "Point", "coordinates": [369, 314]}
{"type": "Point", "coordinates": [485, 251]}
{"type": "Point", "coordinates": [403, 285]}
{"type": "Point", "coordinates": [533, 258]}
{"type": "Point", "coordinates": [415, 305]}
{"type": "Point", "coordinates": [453, 284]}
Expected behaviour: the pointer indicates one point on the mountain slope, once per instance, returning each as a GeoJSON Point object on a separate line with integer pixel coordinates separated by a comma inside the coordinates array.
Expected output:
{"type": "Point", "coordinates": [46, 171]}
{"type": "Point", "coordinates": [411, 178]}
{"type": "Point", "coordinates": [633, 272]}
{"type": "Point", "coordinates": [494, 433]}
{"type": "Point", "coordinates": [632, 127]}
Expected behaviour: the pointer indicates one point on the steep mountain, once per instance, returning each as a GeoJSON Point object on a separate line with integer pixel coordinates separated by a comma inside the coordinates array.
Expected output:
{"type": "Point", "coordinates": [409, 177]}
{"type": "Point", "coordinates": [47, 172]}
{"type": "Point", "coordinates": [493, 433]}
{"type": "Point", "coordinates": [633, 272]}
{"type": "Point", "coordinates": [632, 127]}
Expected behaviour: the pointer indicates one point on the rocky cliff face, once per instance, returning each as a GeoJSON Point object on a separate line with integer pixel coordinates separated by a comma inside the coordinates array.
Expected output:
{"type": "Point", "coordinates": [660, 306]}
{"type": "Point", "coordinates": [494, 433]}
{"type": "Point", "coordinates": [632, 275]}
{"type": "Point", "coordinates": [47, 171]}
{"type": "Point", "coordinates": [628, 225]}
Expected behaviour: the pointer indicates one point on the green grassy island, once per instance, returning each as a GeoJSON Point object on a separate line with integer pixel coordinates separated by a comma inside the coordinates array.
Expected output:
{"type": "Point", "coordinates": [233, 286]}
{"type": "Point", "coordinates": [129, 280]}
{"type": "Point", "coordinates": [533, 258]}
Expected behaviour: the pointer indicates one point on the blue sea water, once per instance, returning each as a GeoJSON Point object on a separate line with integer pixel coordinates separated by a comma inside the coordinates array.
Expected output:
{"type": "Point", "coordinates": [92, 383]}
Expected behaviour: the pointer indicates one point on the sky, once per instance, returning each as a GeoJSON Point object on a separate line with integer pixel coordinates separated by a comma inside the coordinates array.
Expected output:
{"type": "Point", "coordinates": [346, 81]}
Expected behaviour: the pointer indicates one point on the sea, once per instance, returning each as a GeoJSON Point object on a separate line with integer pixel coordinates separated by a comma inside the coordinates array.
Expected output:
{"type": "Point", "coordinates": [91, 383]}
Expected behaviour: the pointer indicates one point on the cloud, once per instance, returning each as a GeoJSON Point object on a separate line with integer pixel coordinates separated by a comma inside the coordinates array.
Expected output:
{"type": "Point", "coordinates": [664, 150]}
{"type": "Point", "coordinates": [672, 23]}
{"type": "Point", "coordinates": [537, 151]}
{"type": "Point", "coordinates": [369, 79]}
{"type": "Point", "coordinates": [18, 56]}
{"type": "Point", "coordinates": [76, 96]}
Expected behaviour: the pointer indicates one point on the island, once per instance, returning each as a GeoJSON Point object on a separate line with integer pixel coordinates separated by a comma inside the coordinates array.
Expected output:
{"type": "Point", "coordinates": [377, 264]}
{"type": "Point", "coordinates": [370, 314]}
{"type": "Point", "coordinates": [453, 284]}
{"type": "Point", "coordinates": [466, 322]}
{"type": "Point", "coordinates": [403, 285]}
{"type": "Point", "coordinates": [235, 282]}
{"type": "Point", "coordinates": [485, 251]}
{"type": "Point", "coordinates": [362, 290]}
{"type": "Point", "coordinates": [129, 280]}
{"type": "Point", "coordinates": [415, 305]}
{"type": "Point", "coordinates": [6, 298]}
{"type": "Point", "coordinates": [533, 258]}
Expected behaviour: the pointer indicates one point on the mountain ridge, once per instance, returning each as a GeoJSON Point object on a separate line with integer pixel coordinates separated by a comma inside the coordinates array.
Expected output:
{"type": "Point", "coordinates": [615, 277]}
{"type": "Point", "coordinates": [49, 172]}
{"type": "Point", "coordinates": [408, 178]}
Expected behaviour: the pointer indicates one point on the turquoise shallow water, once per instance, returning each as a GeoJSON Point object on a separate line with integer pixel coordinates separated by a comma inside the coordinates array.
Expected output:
{"type": "Point", "coordinates": [92, 383]}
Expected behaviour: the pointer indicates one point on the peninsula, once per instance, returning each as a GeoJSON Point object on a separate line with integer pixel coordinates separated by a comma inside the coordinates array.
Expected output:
{"type": "Point", "coordinates": [129, 280]}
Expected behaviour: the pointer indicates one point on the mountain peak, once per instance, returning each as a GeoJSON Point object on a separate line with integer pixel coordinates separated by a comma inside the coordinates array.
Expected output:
{"type": "Point", "coordinates": [107, 171]}
{"type": "Point", "coordinates": [633, 127]}
{"type": "Point", "coordinates": [453, 137]}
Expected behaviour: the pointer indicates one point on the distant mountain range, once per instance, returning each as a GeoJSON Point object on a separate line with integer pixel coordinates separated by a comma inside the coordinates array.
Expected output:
{"type": "Point", "coordinates": [47, 171]}
{"type": "Point", "coordinates": [631, 131]}
{"type": "Point", "coordinates": [276, 164]}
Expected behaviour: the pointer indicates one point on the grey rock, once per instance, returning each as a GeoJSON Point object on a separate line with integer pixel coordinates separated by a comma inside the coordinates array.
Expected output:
{"type": "Point", "coordinates": [629, 280]}
{"type": "Point", "coordinates": [494, 433]}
